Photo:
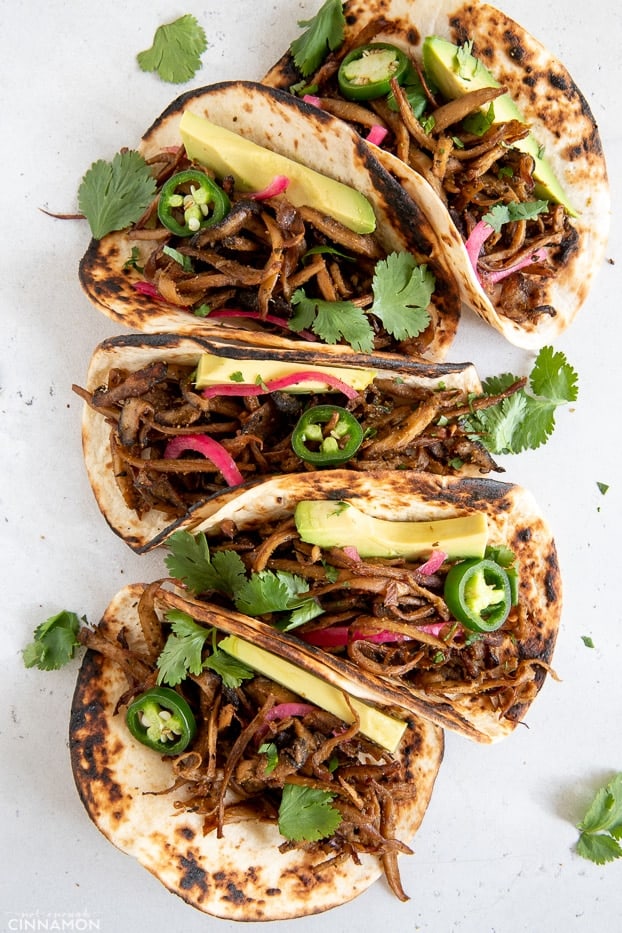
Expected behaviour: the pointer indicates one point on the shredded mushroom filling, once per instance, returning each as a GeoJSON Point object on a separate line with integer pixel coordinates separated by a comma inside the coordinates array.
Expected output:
{"type": "Point", "coordinates": [224, 777]}
{"type": "Point", "coordinates": [391, 620]}
{"type": "Point", "coordinates": [470, 173]}
{"type": "Point", "coordinates": [405, 427]}
{"type": "Point", "coordinates": [249, 265]}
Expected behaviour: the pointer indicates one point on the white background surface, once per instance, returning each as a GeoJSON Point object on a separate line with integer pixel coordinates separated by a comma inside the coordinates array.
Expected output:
{"type": "Point", "coordinates": [495, 852]}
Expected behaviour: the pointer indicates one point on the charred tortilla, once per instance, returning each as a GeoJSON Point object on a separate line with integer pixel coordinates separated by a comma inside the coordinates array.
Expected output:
{"type": "Point", "coordinates": [140, 398]}
{"type": "Point", "coordinates": [480, 686]}
{"type": "Point", "coordinates": [535, 305]}
{"type": "Point", "coordinates": [163, 297]}
{"type": "Point", "coordinates": [139, 799]}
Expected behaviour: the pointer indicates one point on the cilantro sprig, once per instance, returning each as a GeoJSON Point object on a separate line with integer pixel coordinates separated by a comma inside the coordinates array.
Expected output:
{"type": "Point", "coordinates": [113, 195]}
{"type": "Point", "coordinates": [265, 592]}
{"type": "Point", "coordinates": [306, 813]}
{"type": "Point", "coordinates": [175, 54]}
{"type": "Point", "coordinates": [54, 642]}
{"type": "Point", "coordinates": [183, 654]}
{"type": "Point", "coordinates": [402, 292]}
{"type": "Point", "coordinates": [601, 827]}
{"type": "Point", "coordinates": [325, 33]}
{"type": "Point", "coordinates": [526, 419]}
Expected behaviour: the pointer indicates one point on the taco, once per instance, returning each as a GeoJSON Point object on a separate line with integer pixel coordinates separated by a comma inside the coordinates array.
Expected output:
{"type": "Point", "coordinates": [204, 783]}
{"type": "Point", "coordinates": [488, 132]}
{"type": "Point", "coordinates": [243, 233]}
{"type": "Point", "coordinates": [445, 590]}
{"type": "Point", "coordinates": [174, 426]}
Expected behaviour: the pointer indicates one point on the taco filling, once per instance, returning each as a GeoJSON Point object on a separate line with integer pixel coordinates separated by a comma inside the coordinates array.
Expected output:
{"type": "Point", "coordinates": [445, 589]}
{"type": "Point", "coordinates": [466, 99]}
{"type": "Point", "coordinates": [182, 429]}
{"type": "Point", "coordinates": [250, 764]}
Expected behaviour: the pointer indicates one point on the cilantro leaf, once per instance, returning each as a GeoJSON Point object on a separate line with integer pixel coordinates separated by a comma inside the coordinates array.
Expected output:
{"type": "Point", "coordinates": [113, 195]}
{"type": "Point", "coordinates": [271, 752]}
{"type": "Point", "coordinates": [182, 653]}
{"type": "Point", "coordinates": [587, 641]}
{"type": "Point", "coordinates": [232, 671]}
{"type": "Point", "coordinates": [526, 419]}
{"type": "Point", "coordinates": [326, 31]}
{"type": "Point", "coordinates": [552, 378]}
{"type": "Point", "coordinates": [190, 561]}
{"type": "Point", "coordinates": [402, 292]}
{"type": "Point", "coordinates": [267, 591]}
{"type": "Point", "coordinates": [332, 321]}
{"type": "Point", "coordinates": [601, 827]}
{"type": "Point", "coordinates": [306, 813]}
{"type": "Point", "coordinates": [502, 214]}
{"type": "Point", "coordinates": [55, 641]}
{"type": "Point", "coordinates": [176, 50]}
{"type": "Point", "coordinates": [598, 848]}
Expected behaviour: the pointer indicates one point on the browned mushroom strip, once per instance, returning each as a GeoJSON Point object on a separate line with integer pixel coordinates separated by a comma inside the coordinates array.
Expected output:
{"type": "Point", "coordinates": [361, 243]}
{"type": "Point", "coordinates": [456, 110]}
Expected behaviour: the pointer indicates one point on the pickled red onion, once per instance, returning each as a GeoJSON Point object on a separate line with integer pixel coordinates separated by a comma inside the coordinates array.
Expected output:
{"type": "Point", "coordinates": [210, 449]}
{"type": "Point", "coordinates": [376, 135]}
{"type": "Point", "coordinates": [434, 561]}
{"type": "Point", "coordinates": [278, 185]}
{"type": "Point", "coordinates": [277, 385]}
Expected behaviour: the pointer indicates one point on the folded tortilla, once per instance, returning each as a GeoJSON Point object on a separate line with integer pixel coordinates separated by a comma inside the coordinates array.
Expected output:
{"type": "Point", "coordinates": [114, 480]}
{"type": "Point", "coordinates": [559, 117]}
{"type": "Point", "coordinates": [277, 121]}
{"type": "Point", "coordinates": [483, 700]}
{"type": "Point", "coordinates": [129, 793]}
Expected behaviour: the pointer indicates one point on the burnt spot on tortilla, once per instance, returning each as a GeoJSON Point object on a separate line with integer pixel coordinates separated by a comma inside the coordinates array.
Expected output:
{"type": "Point", "coordinates": [192, 876]}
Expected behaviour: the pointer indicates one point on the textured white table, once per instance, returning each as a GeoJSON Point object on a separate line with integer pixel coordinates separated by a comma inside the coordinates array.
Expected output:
{"type": "Point", "coordinates": [495, 852]}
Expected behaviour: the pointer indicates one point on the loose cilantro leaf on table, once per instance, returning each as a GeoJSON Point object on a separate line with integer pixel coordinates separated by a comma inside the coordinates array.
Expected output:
{"type": "Point", "coordinates": [325, 32]}
{"type": "Point", "coordinates": [113, 195]}
{"type": "Point", "coordinates": [176, 50]}
{"type": "Point", "coordinates": [601, 827]}
{"type": "Point", "coordinates": [526, 419]}
{"type": "Point", "coordinates": [306, 813]}
{"type": "Point", "coordinates": [55, 641]}
{"type": "Point", "coordinates": [402, 292]}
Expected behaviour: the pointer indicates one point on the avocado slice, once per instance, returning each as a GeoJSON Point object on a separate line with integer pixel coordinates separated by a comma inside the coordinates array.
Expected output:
{"type": "Point", "coordinates": [376, 725]}
{"type": "Point", "coordinates": [455, 71]}
{"type": "Point", "coordinates": [254, 168]}
{"type": "Point", "coordinates": [340, 524]}
{"type": "Point", "coordinates": [218, 370]}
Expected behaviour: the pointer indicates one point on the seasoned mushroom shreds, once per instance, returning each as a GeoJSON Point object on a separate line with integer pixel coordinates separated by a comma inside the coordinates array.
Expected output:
{"type": "Point", "coordinates": [469, 163]}
{"type": "Point", "coordinates": [152, 409]}
{"type": "Point", "coordinates": [390, 617]}
{"type": "Point", "coordinates": [256, 738]}
{"type": "Point", "coordinates": [256, 264]}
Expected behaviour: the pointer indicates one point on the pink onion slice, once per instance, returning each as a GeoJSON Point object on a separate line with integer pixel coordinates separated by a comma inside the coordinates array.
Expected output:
{"type": "Point", "coordinates": [337, 636]}
{"type": "Point", "coordinates": [277, 385]}
{"type": "Point", "coordinates": [210, 449]}
{"type": "Point", "coordinates": [433, 563]}
{"type": "Point", "coordinates": [278, 185]}
{"type": "Point", "coordinates": [537, 256]}
{"type": "Point", "coordinates": [282, 710]}
{"type": "Point", "coordinates": [313, 100]}
{"type": "Point", "coordinates": [377, 135]}
{"type": "Point", "coordinates": [223, 313]}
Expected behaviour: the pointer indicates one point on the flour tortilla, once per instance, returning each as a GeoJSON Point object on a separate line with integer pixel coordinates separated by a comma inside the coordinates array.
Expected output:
{"type": "Point", "coordinates": [561, 121]}
{"type": "Point", "coordinates": [240, 876]}
{"type": "Point", "coordinates": [514, 521]}
{"type": "Point", "coordinates": [277, 121]}
{"type": "Point", "coordinates": [134, 351]}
